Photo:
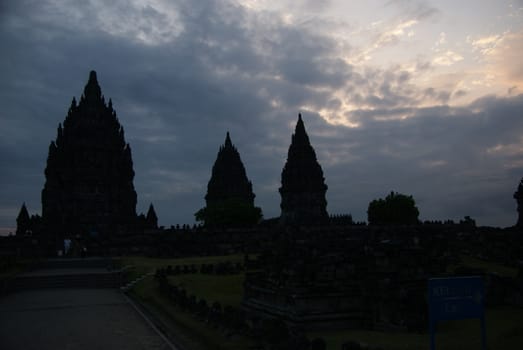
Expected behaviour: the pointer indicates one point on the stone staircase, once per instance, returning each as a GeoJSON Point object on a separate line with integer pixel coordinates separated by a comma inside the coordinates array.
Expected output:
{"type": "Point", "coordinates": [70, 273]}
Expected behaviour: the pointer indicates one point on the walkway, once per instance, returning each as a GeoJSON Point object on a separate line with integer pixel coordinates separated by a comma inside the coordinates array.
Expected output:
{"type": "Point", "coordinates": [73, 318]}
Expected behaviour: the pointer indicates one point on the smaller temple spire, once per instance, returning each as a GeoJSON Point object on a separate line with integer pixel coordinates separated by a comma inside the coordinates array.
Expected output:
{"type": "Point", "coordinates": [151, 219]}
{"type": "Point", "coordinates": [22, 221]}
{"type": "Point", "coordinates": [229, 199]}
{"type": "Point", "coordinates": [518, 196]}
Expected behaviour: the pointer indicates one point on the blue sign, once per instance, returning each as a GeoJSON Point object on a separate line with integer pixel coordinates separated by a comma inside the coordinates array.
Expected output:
{"type": "Point", "coordinates": [455, 298]}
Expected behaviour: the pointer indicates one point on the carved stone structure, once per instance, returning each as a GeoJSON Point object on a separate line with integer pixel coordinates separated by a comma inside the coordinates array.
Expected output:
{"type": "Point", "coordinates": [328, 278]}
{"type": "Point", "coordinates": [518, 196]}
{"type": "Point", "coordinates": [229, 199]}
{"type": "Point", "coordinates": [89, 175]}
{"type": "Point", "coordinates": [302, 183]}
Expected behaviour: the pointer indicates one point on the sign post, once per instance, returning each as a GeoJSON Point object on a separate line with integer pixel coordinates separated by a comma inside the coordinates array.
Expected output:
{"type": "Point", "coordinates": [455, 298]}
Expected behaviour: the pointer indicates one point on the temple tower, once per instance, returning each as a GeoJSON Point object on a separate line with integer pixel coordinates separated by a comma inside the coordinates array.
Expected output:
{"type": "Point", "coordinates": [518, 196]}
{"type": "Point", "coordinates": [302, 183]}
{"type": "Point", "coordinates": [89, 174]}
{"type": "Point", "coordinates": [229, 199]}
{"type": "Point", "coordinates": [23, 222]}
{"type": "Point", "coordinates": [151, 220]}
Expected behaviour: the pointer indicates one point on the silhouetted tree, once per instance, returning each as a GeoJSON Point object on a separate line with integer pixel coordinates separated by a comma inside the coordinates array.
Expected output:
{"type": "Point", "coordinates": [396, 208]}
{"type": "Point", "coordinates": [230, 212]}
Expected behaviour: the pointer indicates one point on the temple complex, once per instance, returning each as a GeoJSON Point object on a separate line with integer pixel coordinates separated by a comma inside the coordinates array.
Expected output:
{"type": "Point", "coordinates": [229, 199]}
{"type": "Point", "coordinates": [89, 174]}
{"type": "Point", "coordinates": [302, 183]}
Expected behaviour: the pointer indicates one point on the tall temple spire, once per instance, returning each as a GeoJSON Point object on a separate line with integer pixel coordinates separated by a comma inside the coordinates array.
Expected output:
{"type": "Point", "coordinates": [300, 133]}
{"type": "Point", "coordinates": [89, 173]}
{"type": "Point", "coordinates": [518, 196]}
{"type": "Point", "coordinates": [303, 185]}
{"type": "Point", "coordinates": [229, 199]}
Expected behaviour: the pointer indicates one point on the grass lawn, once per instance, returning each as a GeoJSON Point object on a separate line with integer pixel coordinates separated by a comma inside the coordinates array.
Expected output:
{"type": "Point", "coordinates": [489, 266]}
{"type": "Point", "coordinates": [504, 331]}
{"type": "Point", "coordinates": [227, 290]}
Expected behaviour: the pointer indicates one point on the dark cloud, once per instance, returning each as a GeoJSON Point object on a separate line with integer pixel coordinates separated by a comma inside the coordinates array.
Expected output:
{"type": "Point", "coordinates": [183, 75]}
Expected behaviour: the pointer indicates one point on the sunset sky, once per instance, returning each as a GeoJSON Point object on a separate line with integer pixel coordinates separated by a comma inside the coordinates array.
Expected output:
{"type": "Point", "coordinates": [420, 97]}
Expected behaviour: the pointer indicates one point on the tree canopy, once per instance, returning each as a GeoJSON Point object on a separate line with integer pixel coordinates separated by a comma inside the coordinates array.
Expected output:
{"type": "Point", "coordinates": [229, 213]}
{"type": "Point", "coordinates": [395, 209]}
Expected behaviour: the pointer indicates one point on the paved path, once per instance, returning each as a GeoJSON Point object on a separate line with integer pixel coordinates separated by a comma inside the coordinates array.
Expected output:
{"type": "Point", "coordinates": [60, 272]}
{"type": "Point", "coordinates": [74, 319]}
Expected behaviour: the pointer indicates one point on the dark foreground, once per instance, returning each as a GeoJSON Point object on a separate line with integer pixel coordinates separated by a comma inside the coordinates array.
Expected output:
{"type": "Point", "coordinates": [74, 319]}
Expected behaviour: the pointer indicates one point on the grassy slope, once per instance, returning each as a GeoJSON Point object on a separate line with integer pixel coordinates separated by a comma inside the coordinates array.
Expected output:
{"type": "Point", "coordinates": [13, 269]}
{"type": "Point", "coordinates": [192, 333]}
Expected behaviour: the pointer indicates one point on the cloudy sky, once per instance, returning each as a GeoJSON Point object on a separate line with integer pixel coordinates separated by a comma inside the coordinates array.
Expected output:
{"type": "Point", "coordinates": [420, 97]}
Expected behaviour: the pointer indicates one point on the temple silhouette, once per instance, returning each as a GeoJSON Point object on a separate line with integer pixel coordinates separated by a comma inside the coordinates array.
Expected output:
{"type": "Point", "coordinates": [518, 196]}
{"type": "Point", "coordinates": [229, 199]}
{"type": "Point", "coordinates": [89, 175]}
{"type": "Point", "coordinates": [151, 219]}
{"type": "Point", "coordinates": [302, 183]}
{"type": "Point", "coordinates": [89, 191]}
